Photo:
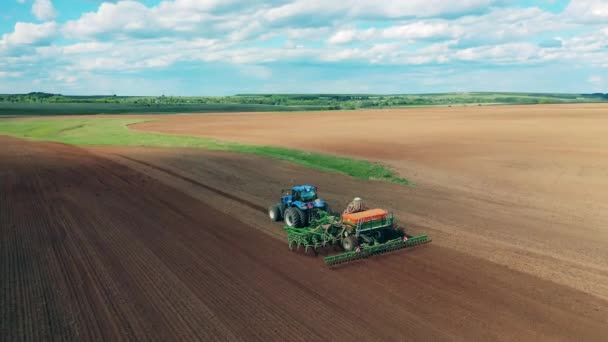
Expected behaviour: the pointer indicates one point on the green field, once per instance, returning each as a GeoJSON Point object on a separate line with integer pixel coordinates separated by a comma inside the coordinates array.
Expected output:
{"type": "Point", "coordinates": [87, 108]}
{"type": "Point", "coordinates": [54, 104]}
{"type": "Point", "coordinates": [115, 132]}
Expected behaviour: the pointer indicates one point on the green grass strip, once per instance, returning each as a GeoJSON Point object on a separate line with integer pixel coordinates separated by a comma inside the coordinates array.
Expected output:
{"type": "Point", "coordinates": [115, 132]}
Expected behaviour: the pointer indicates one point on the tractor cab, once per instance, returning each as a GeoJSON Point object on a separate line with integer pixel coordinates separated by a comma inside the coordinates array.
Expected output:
{"type": "Point", "coordinates": [303, 193]}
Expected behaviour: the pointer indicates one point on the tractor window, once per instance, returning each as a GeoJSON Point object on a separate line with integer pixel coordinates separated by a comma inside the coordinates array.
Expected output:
{"type": "Point", "coordinates": [308, 196]}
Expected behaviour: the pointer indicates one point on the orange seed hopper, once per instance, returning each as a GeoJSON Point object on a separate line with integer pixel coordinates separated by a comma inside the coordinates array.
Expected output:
{"type": "Point", "coordinates": [364, 216]}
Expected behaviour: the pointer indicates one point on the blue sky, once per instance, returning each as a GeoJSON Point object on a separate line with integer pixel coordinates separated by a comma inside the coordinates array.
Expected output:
{"type": "Point", "coordinates": [222, 47]}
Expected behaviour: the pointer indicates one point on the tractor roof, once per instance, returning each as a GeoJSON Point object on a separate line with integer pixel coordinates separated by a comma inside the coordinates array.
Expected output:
{"type": "Point", "coordinates": [304, 187]}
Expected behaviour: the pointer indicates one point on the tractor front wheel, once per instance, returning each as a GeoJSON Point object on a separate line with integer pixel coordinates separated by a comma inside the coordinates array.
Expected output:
{"type": "Point", "coordinates": [349, 243]}
{"type": "Point", "coordinates": [294, 217]}
{"type": "Point", "coordinates": [274, 213]}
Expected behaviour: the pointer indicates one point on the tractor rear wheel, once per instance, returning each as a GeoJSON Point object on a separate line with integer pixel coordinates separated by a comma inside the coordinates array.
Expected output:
{"type": "Point", "coordinates": [274, 213]}
{"type": "Point", "coordinates": [294, 217]}
{"type": "Point", "coordinates": [349, 243]}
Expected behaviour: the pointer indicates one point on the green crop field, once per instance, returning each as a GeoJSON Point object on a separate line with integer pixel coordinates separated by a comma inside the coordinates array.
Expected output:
{"type": "Point", "coordinates": [86, 108]}
{"type": "Point", "coordinates": [115, 132]}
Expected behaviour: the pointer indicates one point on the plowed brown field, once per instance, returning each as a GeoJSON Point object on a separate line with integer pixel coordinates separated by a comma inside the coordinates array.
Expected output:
{"type": "Point", "coordinates": [162, 244]}
{"type": "Point", "coordinates": [523, 186]}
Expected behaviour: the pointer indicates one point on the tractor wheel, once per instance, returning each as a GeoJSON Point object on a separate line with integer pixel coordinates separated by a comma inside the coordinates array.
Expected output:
{"type": "Point", "coordinates": [349, 243]}
{"type": "Point", "coordinates": [274, 213]}
{"type": "Point", "coordinates": [305, 216]}
{"type": "Point", "coordinates": [294, 217]}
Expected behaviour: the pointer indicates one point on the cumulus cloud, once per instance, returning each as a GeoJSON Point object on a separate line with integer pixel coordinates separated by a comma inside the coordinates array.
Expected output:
{"type": "Point", "coordinates": [246, 19]}
{"type": "Point", "coordinates": [127, 56]}
{"type": "Point", "coordinates": [252, 35]}
{"type": "Point", "coordinates": [125, 17]}
{"type": "Point", "coordinates": [411, 31]}
{"type": "Point", "coordinates": [30, 34]}
{"type": "Point", "coordinates": [213, 31]}
{"type": "Point", "coordinates": [371, 9]}
{"type": "Point", "coordinates": [588, 10]}
{"type": "Point", "coordinates": [134, 19]}
{"type": "Point", "coordinates": [44, 10]}
{"type": "Point", "coordinates": [497, 26]}
{"type": "Point", "coordinates": [502, 54]}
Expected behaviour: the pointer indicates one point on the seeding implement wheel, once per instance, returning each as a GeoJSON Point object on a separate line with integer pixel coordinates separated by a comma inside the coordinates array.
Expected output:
{"type": "Point", "coordinates": [349, 243]}
{"type": "Point", "coordinates": [379, 236]}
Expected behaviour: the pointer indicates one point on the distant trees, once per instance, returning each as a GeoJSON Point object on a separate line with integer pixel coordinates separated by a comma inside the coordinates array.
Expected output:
{"type": "Point", "coordinates": [600, 95]}
{"type": "Point", "coordinates": [317, 101]}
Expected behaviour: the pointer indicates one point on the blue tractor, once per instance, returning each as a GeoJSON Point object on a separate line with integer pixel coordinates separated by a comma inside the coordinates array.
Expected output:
{"type": "Point", "coordinates": [298, 206]}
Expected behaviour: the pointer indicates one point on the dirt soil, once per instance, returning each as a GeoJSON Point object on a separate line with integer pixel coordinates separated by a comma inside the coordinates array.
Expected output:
{"type": "Point", "coordinates": [160, 244]}
{"type": "Point", "coordinates": [523, 186]}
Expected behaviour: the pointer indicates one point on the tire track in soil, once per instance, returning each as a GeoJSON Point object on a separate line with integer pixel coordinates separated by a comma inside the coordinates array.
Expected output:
{"type": "Point", "coordinates": [88, 255]}
{"type": "Point", "coordinates": [197, 183]}
{"type": "Point", "coordinates": [449, 291]}
{"type": "Point", "coordinates": [314, 298]}
{"type": "Point", "coordinates": [141, 272]}
{"type": "Point", "coordinates": [251, 256]}
{"type": "Point", "coordinates": [128, 257]}
{"type": "Point", "coordinates": [276, 307]}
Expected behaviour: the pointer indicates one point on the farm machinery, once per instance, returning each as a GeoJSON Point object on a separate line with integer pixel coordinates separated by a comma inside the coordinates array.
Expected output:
{"type": "Point", "coordinates": [361, 232]}
{"type": "Point", "coordinates": [298, 206]}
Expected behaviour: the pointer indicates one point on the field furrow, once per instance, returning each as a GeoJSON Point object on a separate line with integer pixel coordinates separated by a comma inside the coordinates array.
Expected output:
{"type": "Point", "coordinates": [117, 243]}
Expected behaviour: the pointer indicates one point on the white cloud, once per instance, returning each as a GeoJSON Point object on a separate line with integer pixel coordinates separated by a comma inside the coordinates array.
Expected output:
{"type": "Point", "coordinates": [594, 79]}
{"type": "Point", "coordinates": [411, 31]}
{"type": "Point", "coordinates": [44, 10]}
{"type": "Point", "coordinates": [588, 10]}
{"type": "Point", "coordinates": [7, 74]}
{"type": "Point", "coordinates": [127, 55]}
{"type": "Point", "coordinates": [86, 47]}
{"type": "Point", "coordinates": [134, 19]}
{"type": "Point", "coordinates": [64, 78]}
{"type": "Point", "coordinates": [125, 37]}
{"type": "Point", "coordinates": [498, 25]}
{"type": "Point", "coordinates": [307, 33]}
{"type": "Point", "coordinates": [30, 34]}
{"type": "Point", "coordinates": [124, 16]}
{"type": "Point", "coordinates": [504, 53]}
{"type": "Point", "coordinates": [344, 36]}
{"type": "Point", "coordinates": [587, 48]}
{"type": "Point", "coordinates": [369, 9]}
{"type": "Point", "coordinates": [242, 19]}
